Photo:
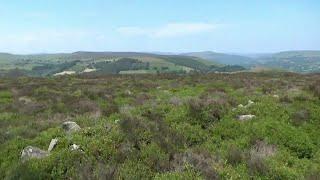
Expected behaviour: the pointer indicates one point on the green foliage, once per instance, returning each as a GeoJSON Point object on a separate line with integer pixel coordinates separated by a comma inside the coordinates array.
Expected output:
{"type": "Point", "coordinates": [162, 126]}
{"type": "Point", "coordinates": [188, 62]}
{"type": "Point", "coordinates": [5, 97]}
{"type": "Point", "coordinates": [122, 64]}
{"type": "Point", "coordinates": [206, 111]}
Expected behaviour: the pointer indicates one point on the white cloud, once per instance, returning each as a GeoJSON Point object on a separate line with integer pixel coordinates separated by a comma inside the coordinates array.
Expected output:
{"type": "Point", "coordinates": [169, 30]}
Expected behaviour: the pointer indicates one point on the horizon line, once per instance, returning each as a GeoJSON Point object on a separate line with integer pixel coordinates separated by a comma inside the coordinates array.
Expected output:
{"type": "Point", "coordinates": [158, 52]}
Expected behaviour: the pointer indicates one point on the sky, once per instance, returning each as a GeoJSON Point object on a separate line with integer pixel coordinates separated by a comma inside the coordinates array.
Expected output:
{"type": "Point", "coordinates": [237, 26]}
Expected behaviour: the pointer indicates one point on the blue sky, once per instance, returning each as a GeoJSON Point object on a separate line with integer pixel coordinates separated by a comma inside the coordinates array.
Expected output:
{"type": "Point", "coordinates": [238, 26]}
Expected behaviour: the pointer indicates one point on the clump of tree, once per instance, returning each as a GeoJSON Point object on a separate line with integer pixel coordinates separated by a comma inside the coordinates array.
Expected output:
{"type": "Point", "coordinates": [123, 64]}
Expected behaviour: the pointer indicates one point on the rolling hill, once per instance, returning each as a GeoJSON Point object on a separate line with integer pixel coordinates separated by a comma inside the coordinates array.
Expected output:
{"type": "Point", "coordinates": [222, 58]}
{"type": "Point", "coordinates": [105, 63]}
{"type": "Point", "coordinates": [296, 61]}
{"type": "Point", "coordinates": [139, 62]}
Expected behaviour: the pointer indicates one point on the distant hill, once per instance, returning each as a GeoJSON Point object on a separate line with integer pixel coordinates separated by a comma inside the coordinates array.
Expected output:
{"type": "Point", "coordinates": [106, 63]}
{"type": "Point", "coordinates": [206, 61]}
{"type": "Point", "coordinates": [292, 54]}
{"type": "Point", "coordinates": [222, 58]}
{"type": "Point", "coordinates": [296, 61]}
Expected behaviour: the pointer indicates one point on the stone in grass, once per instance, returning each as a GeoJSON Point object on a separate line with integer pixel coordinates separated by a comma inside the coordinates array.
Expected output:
{"type": "Point", "coordinates": [70, 126]}
{"type": "Point", "coordinates": [75, 147]}
{"type": "Point", "coordinates": [31, 152]}
{"type": "Point", "coordinates": [250, 103]}
{"type": "Point", "coordinates": [52, 144]}
{"type": "Point", "coordinates": [245, 117]}
{"type": "Point", "coordinates": [276, 96]}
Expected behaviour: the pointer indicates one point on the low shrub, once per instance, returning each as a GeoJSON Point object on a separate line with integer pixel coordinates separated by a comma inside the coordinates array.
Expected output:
{"type": "Point", "coordinates": [234, 155]}
{"type": "Point", "coordinates": [199, 159]}
{"type": "Point", "coordinates": [315, 88]}
{"type": "Point", "coordinates": [313, 175]}
{"type": "Point", "coordinates": [257, 164]}
{"type": "Point", "coordinates": [206, 110]}
{"type": "Point", "coordinates": [285, 99]}
{"type": "Point", "coordinates": [299, 117]}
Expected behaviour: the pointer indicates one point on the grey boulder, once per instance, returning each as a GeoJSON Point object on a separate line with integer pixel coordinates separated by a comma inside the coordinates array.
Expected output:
{"type": "Point", "coordinates": [246, 117]}
{"type": "Point", "coordinates": [70, 126]}
{"type": "Point", "coordinates": [31, 152]}
{"type": "Point", "coordinates": [52, 144]}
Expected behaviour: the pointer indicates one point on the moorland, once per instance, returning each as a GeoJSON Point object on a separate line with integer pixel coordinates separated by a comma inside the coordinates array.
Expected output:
{"type": "Point", "coordinates": [242, 125]}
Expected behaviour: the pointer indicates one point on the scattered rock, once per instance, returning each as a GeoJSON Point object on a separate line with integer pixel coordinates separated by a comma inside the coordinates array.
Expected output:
{"type": "Point", "coordinates": [128, 92]}
{"type": "Point", "coordinates": [33, 152]}
{"type": "Point", "coordinates": [64, 73]}
{"type": "Point", "coordinates": [276, 96]}
{"type": "Point", "coordinates": [70, 127]}
{"type": "Point", "coordinates": [74, 147]}
{"type": "Point", "coordinates": [250, 103]}
{"type": "Point", "coordinates": [25, 100]}
{"type": "Point", "coordinates": [87, 70]}
{"type": "Point", "coordinates": [246, 117]}
{"type": "Point", "coordinates": [52, 144]}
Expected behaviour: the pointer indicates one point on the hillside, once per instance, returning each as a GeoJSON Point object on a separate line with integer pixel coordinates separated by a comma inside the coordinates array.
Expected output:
{"type": "Point", "coordinates": [102, 63]}
{"type": "Point", "coordinates": [291, 54]}
{"type": "Point", "coordinates": [207, 61]}
{"type": "Point", "coordinates": [222, 58]}
{"type": "Point", "coordinates": [165, 126]}
{"type": "Point", "coordinates": [296, 61]}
